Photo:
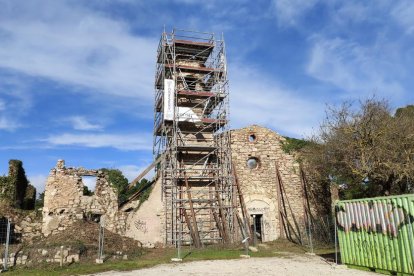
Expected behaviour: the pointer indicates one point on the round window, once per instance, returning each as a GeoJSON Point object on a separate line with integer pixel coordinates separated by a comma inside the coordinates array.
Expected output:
{"type": "Point", "coordinates": [252, 138]}
{"type": "Point", "coordinates": [252, 163]}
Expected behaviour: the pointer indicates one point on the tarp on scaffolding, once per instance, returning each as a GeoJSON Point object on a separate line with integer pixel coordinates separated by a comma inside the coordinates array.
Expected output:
{"type": "Point", "coordinates": [169, 99]}
{"type": "Point", "coordinates": [186, 114]}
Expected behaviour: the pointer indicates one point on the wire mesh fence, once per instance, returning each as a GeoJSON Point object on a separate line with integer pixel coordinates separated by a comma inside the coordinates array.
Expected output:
{"type": "Point", "coordinates": [5, 234]}
{"type": "Point", "coordinates": [314, 233]}
{"type": "Point", "coordinates": [318, 234]}
{"type": "Point", "coordinates": [90, 241]}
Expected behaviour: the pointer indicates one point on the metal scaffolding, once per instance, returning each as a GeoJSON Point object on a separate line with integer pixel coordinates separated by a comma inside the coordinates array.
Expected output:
{"type": "Point", "coordinates": [191, 136]}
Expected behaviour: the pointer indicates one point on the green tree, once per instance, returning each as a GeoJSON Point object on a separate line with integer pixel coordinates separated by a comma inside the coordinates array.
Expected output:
{"type": "Point", "coordinates": [39, 203]}
{"type": "Point", "coordinates": [364, 149]}
{"type": "Point", "coordinates": [86, 191]}
{"type": "Point", "coordinates": [290, 145]}
{"type": "Point", "coordinates": [119, 182]}
{"type": "Point", "coordinates": [407, 111]}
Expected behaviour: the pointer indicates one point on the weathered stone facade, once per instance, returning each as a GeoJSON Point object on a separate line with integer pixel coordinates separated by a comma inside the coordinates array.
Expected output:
{"type": "Point", "coordinates": [65, 203]}
{"type": "Point", "coordinates": [257, 153]}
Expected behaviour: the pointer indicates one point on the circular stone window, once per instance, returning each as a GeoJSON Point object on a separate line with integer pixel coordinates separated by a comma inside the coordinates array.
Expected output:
{"type": "Point", "coordinates": [252, 138]}
{"type": "Point", "coordinates": [252, 163]}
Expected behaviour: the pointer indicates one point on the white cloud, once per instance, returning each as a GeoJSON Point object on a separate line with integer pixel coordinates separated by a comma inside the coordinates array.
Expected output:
{"type": "Point", "coordinates": [403, 13]}
{"type": "Point", "coordinates": [358, 70]}
{"type": "Point", "coordinates": [8, 124]}
{"type": "Point", "coordinates": [288, 12]}
{"type": "Point", "coordinates": [70, 44]}
{"type": "Point", "coordinates": [350, 11]}
{"type": "Point", "coordinates": [38, 181]}
{"type": "Point", "coordinates": [260, 99]}
{"type": "Point", "coordinates": [125, 142]}
{"type": "Point", "coordinates": [17, 105]}
{"type": "Point", "coordinates": [81, 123]}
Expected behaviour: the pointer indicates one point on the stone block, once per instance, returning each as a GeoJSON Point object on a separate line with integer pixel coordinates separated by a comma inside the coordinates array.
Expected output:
{"type": "Point", "coordinates": [72, 258]}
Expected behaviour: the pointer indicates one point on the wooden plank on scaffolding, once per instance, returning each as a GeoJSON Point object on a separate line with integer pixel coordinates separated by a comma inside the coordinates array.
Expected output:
{"type": "Point", "coordinates": [288, 224]}
{"type": "Point", "coordinates": [306, 208]}
{"type": "Point", "coordinates": [218, 222]}
{"type": "Point", "coordinates": [296, 225]}
{"type": "Point", "coordinates": [193, 216]}
{"type": "Point", "coordinates": [306, 198]}
{"type": "Point", "coordinates": [222, 215]}
{"type": "Point", "coordinates": [190, 227]}
{"type": "Point", "coordinates": [242, 225]}
{"type": "Point", "coordinates": [242, 203]}
{"type": "Point", "coordinates": [144, 172]}
{"type": "Point", "coordinates": [282, 225]}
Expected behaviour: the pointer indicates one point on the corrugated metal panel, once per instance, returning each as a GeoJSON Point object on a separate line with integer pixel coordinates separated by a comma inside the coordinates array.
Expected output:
{"type": "Point", "coordinates": [377, 232]}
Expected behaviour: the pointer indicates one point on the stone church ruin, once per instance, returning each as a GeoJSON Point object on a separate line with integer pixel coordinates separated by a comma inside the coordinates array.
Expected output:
{"type": "Point", "coordinates": [211, 184]}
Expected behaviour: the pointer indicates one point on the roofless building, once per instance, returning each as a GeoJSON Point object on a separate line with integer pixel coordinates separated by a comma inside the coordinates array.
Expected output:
{"type": "Point", "coordinates": [191, 137]}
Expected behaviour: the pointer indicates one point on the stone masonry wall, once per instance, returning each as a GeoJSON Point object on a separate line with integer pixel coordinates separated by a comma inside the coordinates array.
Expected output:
{"type": "Point", "coordinates": [31, 256]}
{"type": "Point", "coordinates": [259, 185]}
{"type": "Point", "coordinates": [65, 203]}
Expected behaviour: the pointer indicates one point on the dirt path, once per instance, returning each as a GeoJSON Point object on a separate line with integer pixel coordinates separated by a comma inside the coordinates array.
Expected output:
{"type": "Point", "coordinates": [296, 265]}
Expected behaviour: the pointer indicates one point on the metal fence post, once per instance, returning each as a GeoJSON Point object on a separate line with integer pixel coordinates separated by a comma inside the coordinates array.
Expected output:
{"type": "Point", "coordinates": [180, 237]}
{"type": "Point", "coordinates": [61, 255]}
{"type": "Point", "coordinates": [6, 250]}
{"type": "Point", "coordinates": [336, 246]}
{"type": "Point", "coordinates": [101, 240]}
{"type": "Point", "coordinates": [310, 235]}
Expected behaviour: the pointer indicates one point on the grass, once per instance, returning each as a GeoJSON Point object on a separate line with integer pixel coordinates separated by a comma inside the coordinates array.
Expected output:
{"type": "Point", "coordinates": [153, 257]}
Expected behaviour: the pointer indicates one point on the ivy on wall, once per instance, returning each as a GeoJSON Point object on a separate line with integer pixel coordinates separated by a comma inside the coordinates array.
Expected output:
{"type": "Point", "coordinates": [15, 188]}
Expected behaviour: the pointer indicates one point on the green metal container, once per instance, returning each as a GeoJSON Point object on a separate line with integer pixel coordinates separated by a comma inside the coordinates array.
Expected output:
{"type": "Point", "coordinates": [377, 233]}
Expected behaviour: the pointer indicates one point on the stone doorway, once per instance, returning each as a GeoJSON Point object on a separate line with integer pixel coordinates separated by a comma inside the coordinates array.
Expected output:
{"type": "Point", "coordinates": [257, 227]}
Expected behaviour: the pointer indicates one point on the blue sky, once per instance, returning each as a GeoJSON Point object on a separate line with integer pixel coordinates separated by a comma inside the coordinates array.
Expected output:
{"type": "Point", "coordinates": [76, 77]}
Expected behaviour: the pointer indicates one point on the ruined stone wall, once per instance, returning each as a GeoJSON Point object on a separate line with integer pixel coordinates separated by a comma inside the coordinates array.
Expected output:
{"type": "Point", "coordinates": [15, 189]}
{"type": "Point", "coordinates": [259, 184]}
{"type": "Point", "coordinates": [147, 223]}
{"type": "Point", "coordinates": [64, 202]}
{"type": "Point", "coordinates": [31, 257]}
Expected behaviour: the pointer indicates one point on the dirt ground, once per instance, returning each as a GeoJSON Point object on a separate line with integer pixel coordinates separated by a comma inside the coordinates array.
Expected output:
{"type": "Point", "coordinates": [295, 265]}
